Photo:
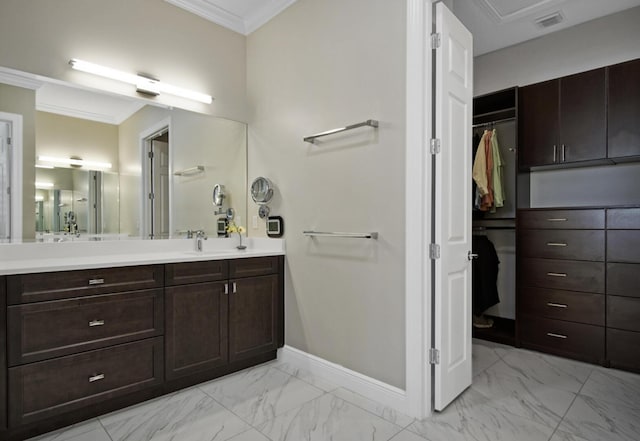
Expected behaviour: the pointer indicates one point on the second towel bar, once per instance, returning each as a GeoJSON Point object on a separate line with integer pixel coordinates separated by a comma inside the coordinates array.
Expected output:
{"type": "Point", "coordinates": [369, 122]}
{"type": "Point", "coordinates": [372, 235]}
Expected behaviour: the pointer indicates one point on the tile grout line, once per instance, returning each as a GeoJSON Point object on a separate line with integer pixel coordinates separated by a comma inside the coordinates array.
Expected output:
{"type": "Point", "coordinates": [104, 428]}
{"type": "Point", "coordinates": [577, 394]}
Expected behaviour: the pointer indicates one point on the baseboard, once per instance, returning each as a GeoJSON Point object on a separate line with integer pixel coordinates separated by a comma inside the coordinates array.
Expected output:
{"type": "Point", "coordinates": [368, 387]}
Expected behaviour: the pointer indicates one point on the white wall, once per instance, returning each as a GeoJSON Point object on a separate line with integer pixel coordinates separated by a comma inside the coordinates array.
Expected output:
{"type": "Point", "coordinates": [152, 36]}
{"type": "Point", "coordinates": [591, 45]}
{"type": "Point", "coordinates": [317, 66]}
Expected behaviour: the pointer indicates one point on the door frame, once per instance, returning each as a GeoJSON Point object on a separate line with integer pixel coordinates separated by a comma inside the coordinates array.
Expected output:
{"type": "Point", "coordinates": [15, 120]}
{"type": "Point", "coordinates": [144, 138]}
{"type": "Point", "coordinates": [418, 209]}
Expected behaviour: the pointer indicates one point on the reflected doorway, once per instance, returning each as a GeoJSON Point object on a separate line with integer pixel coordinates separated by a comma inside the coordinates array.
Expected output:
{"type": "Point", "coordinates": [5, 180]}
{"type": "Point", "coordinates": [156, 180]}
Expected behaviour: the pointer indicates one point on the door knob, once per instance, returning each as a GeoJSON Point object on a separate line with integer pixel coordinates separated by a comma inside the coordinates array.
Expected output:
{"type": "Point", "coordinates": [472, 256]}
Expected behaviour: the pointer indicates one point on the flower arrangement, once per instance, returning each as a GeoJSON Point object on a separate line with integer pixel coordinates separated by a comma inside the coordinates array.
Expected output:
{"type": "Point", "coordinates": [233, 228]}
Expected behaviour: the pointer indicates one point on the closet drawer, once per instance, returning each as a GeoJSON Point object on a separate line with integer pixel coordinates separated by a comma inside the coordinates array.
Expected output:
{"type": "Point", "coordinates": [572, 306]}
{"type": "Point", "coordinates": [623, 246]}
{"type": "Point", "coordinates": [623, 349]}
{"type": "Point", "coordinates": [573, 340]}
{"type": "Point", "coordinates": [86, 323]}
{"type": "Point", "coordinates": [196, 272]}
{"type": "Point", "coordinates": [623, 313]}
{"type": "Point", "coordinates": [563, 274]}
{"type": "Point", "coordinates": [623, 218]}
{"type": "Point", "coordinates": [26, 288]}
{"type": "Point", "coordinates": [255, 266]}
{"type": "Point", "coordinates": [48, 388]}
{"type": "Point", "coordinates": [562, 244]}
{"type": "Point", "coordinates": [623, 279]}
{"type": "Point", "coordinates": [561, 219]}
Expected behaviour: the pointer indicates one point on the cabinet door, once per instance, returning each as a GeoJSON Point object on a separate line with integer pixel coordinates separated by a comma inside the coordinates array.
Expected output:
{"type": "Point", "coordinates": [624, 110]}
{"type": "Point", "coordinates": [583, 134]}
{"type": "Point", "coordinates": [538, 124]}
{"type": "Point", "coordinates": [253, 316]}
{"type": "Point", "coordinates": [196, 328]}
{"type": "Point", "coordinates": [3, 354]}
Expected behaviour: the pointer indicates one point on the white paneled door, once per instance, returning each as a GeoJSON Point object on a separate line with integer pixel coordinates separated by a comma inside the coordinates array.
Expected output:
{"type": "Point", "coordinates": [5, 180]}
{"type": "Point", "coordinates": [453, 113]}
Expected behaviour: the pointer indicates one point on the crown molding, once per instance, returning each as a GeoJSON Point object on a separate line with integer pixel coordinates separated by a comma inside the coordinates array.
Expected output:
{"type": "Point", "coordinates": [242, 24]}
{"type": "Point", "coordinates": [19, 79]}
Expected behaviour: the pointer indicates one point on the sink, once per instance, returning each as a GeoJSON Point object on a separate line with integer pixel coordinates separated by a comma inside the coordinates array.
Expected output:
{"type": "Point", "coordinates": [210, 252]}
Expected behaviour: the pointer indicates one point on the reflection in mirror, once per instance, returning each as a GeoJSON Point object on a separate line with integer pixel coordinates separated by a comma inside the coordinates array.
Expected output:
{"type": "Point", "coordinates": [68, 122]}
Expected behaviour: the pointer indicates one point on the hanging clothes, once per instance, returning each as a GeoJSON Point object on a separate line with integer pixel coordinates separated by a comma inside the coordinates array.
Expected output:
{"type": "Point", "coordinates": [497, 173]}
{"type": "Point", "coordinates": [484, 275]}
{"type": "Point", "coordinates": [482, 171]}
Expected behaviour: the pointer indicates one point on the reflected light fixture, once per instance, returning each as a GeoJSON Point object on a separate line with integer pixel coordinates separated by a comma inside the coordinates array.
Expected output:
{"type": "Point", "coordinates": [44, 184]}
{"type": "Point", "coordinates": [144, 84]}
{"type": "Point", "coordinates": [45, 166]}
{"type": "Point", "coordinates": [72, 161]}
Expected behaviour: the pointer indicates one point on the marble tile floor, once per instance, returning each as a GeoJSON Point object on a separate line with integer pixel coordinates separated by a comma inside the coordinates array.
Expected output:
{"type": "Point", "coordinates": [517, 395]}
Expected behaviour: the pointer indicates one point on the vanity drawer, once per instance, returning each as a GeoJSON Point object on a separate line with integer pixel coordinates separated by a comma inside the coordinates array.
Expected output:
{"type": "Point", "coordinates": [623, 279]}
{"type": "Point", "coordinates": [623, 349]}
{"type": "Point", "coordinates": [48, 388]}
{"type": "Point", "coordinates": [561, 219]}
{"type": "Point", "coordinates": [38, 331]}
{"type": "Point", "coordinates": [567, 275]}
{"type": "Point", "coordinates": [572, 306]}
{"type": "Point", "coordinates": [563, 244]}
{"type": "Point", "coordinates": [573, 340]}
{"type": "Point", "coordinates": [26, 288]}
{"type": "Point", "coordinates": [196, 272]}
{"type": "Point", "coordinates": [254, 266]}
{"type": "Point", "coordinates": [623, 246]}
{"type": "Point", "coordinates": [623, 313]}
{"type": "Point", "coordinates": [623, 218]}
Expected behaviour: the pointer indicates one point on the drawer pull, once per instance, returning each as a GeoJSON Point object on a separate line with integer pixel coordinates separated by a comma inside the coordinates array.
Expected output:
{"type": "Point", "coordinates": [96, 281]}
{"type": "Point", "coordinates": [235, 288]}
{"type": "Point", "coordinates": [96, 377]}
{"type": "Point", "coordinates": [557, 305]}
{"type": "Point", "coordinates": [557, 219]}
{"type": "Point", "coordinates": [556, 244]}
{"type": "Point", "coordinates": [226, 288]}
{"type": "Point", "coordinates": [551, 334]}
{"type": "Point", "coordinates": [557, 274]}
{"type": "Point", "coordinates": [93, 323]}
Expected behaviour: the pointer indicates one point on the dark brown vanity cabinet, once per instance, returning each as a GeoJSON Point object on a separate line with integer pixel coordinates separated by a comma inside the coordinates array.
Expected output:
{"type": "Point", "coordinates": [624, 111]}
{"type": "Point", "coordinates": [563, 121]}
{"type": "Point", "coordinates": [236, 314]}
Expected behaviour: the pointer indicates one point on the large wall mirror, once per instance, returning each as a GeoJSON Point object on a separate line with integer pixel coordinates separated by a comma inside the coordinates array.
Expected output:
{"type": "Point", "coordinates": [110, 167]}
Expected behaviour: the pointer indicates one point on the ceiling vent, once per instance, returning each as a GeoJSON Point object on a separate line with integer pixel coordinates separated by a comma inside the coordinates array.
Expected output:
{"type": "Point", "coordinates": [506, 11]}
{"type": "Point", "coordinates": [549, 20]}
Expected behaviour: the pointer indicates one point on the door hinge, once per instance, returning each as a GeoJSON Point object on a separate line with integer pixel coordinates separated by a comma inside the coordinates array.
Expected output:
{"type": "Point", "coordinates": [434, 146]}
{"type": "Point", "coordinates": [9, 140]}
{"type": "Point", "coordinates": [9, 190]}
{"type": "Point", "coordinates": [151, 196]}
{"type": "Point", "coordinates": [435, 40]}
{"type": "Point", "coordinates": [434, 356]}
{"type": "Point", "coordinates": [150, 155]}
{"type": "Point", "coordinates": [434, 251]}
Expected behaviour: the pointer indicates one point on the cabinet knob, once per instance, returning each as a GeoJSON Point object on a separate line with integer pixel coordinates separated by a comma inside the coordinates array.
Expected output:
{"type": "Point", "coordinates": [93, 323]}
{"type": "Point", "coordinates": [96, 377]}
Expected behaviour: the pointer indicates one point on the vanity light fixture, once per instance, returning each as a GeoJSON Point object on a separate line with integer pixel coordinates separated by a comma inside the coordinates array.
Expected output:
{"type": "Point", "coordinates": [143, 83]}
{"type": "Point", "coordinates": [77, 162]}
{"type": "Point", "coordinates": [51, 167]}
{"type": "Point", "coordinates": [44, 184]}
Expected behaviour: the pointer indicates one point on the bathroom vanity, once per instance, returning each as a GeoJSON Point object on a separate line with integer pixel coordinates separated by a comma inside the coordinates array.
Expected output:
{"type": "Point", "coordinates": [87, 338]}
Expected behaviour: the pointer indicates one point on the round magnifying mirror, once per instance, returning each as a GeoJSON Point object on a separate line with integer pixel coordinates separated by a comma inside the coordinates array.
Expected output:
{"type": "Point", "coordinates": [261, 190]}
{"type": "Point", "coordinates": [218, 195]}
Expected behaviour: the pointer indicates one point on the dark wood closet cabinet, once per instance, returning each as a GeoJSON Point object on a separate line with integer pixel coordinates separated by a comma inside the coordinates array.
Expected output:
{"type": "Point", "coordinates": [563, 121]}
{"type": "Point", "coordinates": [624, 111]}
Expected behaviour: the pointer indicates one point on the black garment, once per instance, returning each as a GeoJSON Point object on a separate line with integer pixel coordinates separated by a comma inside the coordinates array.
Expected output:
{"type": "Point", "coordinates": [484, 274]}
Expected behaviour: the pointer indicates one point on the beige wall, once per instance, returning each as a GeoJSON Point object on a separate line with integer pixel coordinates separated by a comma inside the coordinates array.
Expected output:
{"type": "Point", "coordinates": [152, 36]}
{"type": "Point", "coordinates": [64, 136]}
{"type": "Point", "coordinates": [598, 43]}
{"type": "Point", "coordinates": [22, 102]}
{"type": "Point", "coordinates": [590, 45]}
{"type": "Point", "coordinates": [317, 66]}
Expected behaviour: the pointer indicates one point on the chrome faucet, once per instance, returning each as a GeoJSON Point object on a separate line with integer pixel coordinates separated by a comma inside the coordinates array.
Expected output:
{"type": "Point", "coordinates": [200, 235]}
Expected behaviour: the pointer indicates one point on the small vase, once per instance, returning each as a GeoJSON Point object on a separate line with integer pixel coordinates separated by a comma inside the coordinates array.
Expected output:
{"type": "Point", "coordinates": [241, 247]}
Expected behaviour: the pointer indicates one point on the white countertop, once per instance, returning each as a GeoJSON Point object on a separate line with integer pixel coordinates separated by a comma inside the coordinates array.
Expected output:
{"type": "Point", "coordinates": [27, 258]}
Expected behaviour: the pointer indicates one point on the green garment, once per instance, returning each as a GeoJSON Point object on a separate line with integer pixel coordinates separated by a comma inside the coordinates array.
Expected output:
{"type": "Point", "coordinates": [498, 178]}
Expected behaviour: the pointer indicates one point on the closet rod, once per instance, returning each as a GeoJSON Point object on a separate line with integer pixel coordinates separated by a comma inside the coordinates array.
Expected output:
{"type": "Point", "coordinates": [489, 123]}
